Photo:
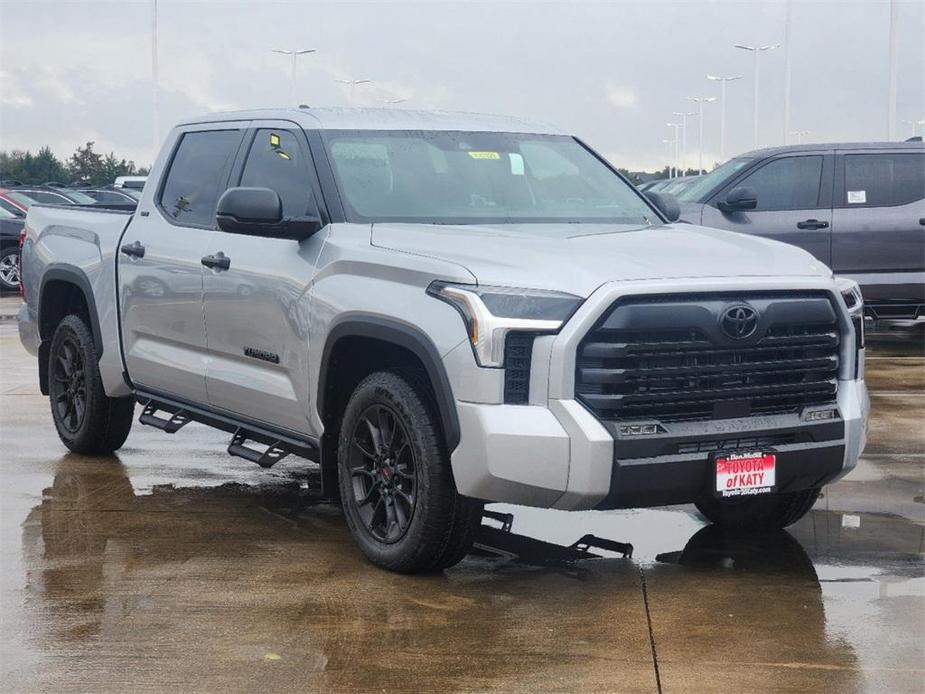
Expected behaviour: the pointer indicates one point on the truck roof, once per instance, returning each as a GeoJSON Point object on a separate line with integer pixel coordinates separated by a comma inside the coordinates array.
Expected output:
{"type": "Point", "coordinates": [384, 119]}
{"type": "Point", "coordinates": [837, 146]}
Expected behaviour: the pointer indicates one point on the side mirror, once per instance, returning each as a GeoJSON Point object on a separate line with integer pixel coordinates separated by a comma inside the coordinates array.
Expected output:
{"type": "Point", "coordinates": [741, 198]}
{"type": "Point", "coordinates": [667, 204]}
{"type": "Point", "coordinates": [259, 212]}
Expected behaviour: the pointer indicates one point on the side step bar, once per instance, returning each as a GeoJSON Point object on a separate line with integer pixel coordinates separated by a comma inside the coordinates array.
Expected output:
{"type": "Point", "coordinates": [279, 444]}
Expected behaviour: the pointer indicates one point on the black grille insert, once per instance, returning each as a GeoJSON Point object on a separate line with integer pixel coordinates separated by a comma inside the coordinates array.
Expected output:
{"type": "Point", "coordinates": [667, 358]}
{"type": "Point", "coordinates": [518, 355]}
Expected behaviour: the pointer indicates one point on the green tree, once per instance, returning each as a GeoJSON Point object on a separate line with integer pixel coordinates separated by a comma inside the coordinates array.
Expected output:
{"type": "Point", "coordinates": [85, 165]}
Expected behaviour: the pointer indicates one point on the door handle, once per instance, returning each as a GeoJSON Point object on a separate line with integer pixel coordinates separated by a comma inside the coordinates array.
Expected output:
{"type": "Point", "coordinates": [219, 261]}
{"type": "Point", "coordinates": [134, 250]}
{"type": "Point", "coordinates": [812, 224]}
{"type": "Point", "coordinates": [922, 221]}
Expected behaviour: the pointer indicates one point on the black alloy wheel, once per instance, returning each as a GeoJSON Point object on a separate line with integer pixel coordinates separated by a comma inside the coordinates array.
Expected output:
{"type": "Point", "coordinates": [383, 473]}
{"type": "Point", "coordinates": [69, 385]}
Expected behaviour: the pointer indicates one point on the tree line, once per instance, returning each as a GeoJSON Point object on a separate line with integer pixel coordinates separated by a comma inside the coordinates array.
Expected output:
{"type": "Point", "coordinates": [83, 167]}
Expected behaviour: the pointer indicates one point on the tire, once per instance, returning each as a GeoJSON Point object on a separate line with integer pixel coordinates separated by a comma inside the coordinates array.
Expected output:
{"type": "Point", "coordinates": [761, 513]}
{"type": "Point", "coordinates": [87, 420]}
{"type": "Point", "coordinates": [9, 269]}
{"type": "Point", "coordinates": [396, 486]}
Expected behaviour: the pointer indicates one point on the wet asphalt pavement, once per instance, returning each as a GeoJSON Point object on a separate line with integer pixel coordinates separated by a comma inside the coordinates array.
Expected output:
{"type": "Point", "coordinates": [174, 567]}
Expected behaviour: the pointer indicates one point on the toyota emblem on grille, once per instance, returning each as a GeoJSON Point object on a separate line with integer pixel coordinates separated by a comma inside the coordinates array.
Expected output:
{"type": "Point", "coordinates": [739, 322]}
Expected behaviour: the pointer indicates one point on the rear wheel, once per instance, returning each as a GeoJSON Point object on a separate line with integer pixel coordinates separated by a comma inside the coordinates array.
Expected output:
{"type": "Point", "coordinates": [87, 420]}
{"type": "Point", "coordinates": [396, 485]}
{"type": "Point", "coordinates": [771, 512]}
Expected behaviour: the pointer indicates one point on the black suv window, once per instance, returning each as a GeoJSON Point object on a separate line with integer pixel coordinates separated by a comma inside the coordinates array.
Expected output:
{"type": "Point", "coordinates": [875, 180]}
{"type": "Point", "coordinates": [789, 183]}
{"type": "Point", "coordinates": [276, 162]}
{"type": "Point", "coordinates": [197, 176]}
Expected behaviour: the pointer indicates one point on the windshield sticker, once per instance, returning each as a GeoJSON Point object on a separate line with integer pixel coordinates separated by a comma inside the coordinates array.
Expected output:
{"type": "Point", "coordinates": [857, 197]}
{"type": "Point", "coordinates": [517, 164]}
{"type": "Point", "coordinates": [485, 155]}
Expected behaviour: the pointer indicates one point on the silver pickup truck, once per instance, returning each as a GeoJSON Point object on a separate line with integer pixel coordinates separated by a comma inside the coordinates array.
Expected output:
{"type": "Point", "coordinates": [444, 310]}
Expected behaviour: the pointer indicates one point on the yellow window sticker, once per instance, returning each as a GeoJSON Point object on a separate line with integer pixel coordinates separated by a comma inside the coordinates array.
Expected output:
{"type": "Point", "coordinates": [484, 155]}
{"type": "Point", "coordinates": [274, 140]}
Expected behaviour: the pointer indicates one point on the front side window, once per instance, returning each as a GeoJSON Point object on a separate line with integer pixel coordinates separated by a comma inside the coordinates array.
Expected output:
{"type": "Point", "coordinates": [276, 162]}
{"type": "Point", "coordinates": [451, 177]}
{"type": "Point", "coordinates": [791, 183]}
{"type": "Point", "coordinates": [876, 180]}
{"type": "Point", "coordinates": [197, 176]}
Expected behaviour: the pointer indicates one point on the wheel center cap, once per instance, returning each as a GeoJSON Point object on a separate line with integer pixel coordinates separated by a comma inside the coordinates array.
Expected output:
{"type": "Point", "coordinates": [386, 473]}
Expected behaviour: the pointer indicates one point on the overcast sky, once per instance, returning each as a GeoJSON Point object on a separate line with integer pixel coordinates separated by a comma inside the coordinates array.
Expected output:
{"type": "Point", "coordinates": [611, 72]}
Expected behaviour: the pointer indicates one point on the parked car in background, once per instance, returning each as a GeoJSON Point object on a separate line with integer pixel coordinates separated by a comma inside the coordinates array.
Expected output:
{"type": "Point", "coordinates": [10, 227]}
{"type": "Point", "coordinates": [28, 195]}
{"type": "Point", "coordinates": [132, 182]}
{"type": "Point", "coordinates": [109, 195]}
{"type": "Point", "coordinates": [11, 205]}
{"type": "Point", "coordinates": [859, 208]}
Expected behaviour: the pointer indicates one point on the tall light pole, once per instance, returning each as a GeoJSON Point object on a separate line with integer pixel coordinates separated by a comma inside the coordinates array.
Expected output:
{"type": "Point", "coordinates": [353, 86]}
{"type": "Point", "coordinates": [891, 103]}
{"type": "Point", "coordinates": [756, 50]}
{"type": "Point", "coordinates": [722, 111]}
{"type": "Point", "coordinates": [684, 117]}
{"type": "Point", "coordinates": [295, 53]}
{"type": "Point", "coordinates": [700, 101]}
{"type": "Point", "coordinates": [799, 135]}
{"type": "Point", "coordinates": [787, 22]}
{"type": "Point", "coordinates": [671, 145]}
{"type": "Point", "coordinates": [154, 79]}
{"type": "Point", "coordinates": [677, 143]}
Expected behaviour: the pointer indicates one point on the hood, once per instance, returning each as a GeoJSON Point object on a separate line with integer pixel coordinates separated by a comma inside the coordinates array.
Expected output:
{"type": "Point", "coordinates": [578, 258]}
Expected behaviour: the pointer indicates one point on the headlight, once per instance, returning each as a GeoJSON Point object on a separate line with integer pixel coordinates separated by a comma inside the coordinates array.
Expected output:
{"type": "Point", "coordinates": [490, 313]}
{"type": "Point", "coordinates": [854, 300]}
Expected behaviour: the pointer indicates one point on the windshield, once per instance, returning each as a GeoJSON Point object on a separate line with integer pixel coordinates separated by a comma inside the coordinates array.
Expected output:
{"type": "Point", "coordinates": [477, 178]}
{"type": "Point", "coordinates": [701, 186]}
{"type": "Point", "coordinates": [22, 199]}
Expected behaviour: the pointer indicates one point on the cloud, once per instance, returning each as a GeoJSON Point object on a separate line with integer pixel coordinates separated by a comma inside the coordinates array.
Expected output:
{"type": "Point", "coordinates": [621, 97]}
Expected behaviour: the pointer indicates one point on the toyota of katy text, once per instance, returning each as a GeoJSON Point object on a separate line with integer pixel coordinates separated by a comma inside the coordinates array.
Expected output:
{"type": "Point", "coordinates": [445, 310]}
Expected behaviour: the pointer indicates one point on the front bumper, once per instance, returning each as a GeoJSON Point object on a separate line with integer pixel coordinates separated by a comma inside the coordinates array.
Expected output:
{"type": "Point", "coordinates": [553, 453]}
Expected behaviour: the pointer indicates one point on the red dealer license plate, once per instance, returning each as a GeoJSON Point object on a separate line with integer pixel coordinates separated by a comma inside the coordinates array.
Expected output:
{"type": "Point", "coordinates": [745, 474]}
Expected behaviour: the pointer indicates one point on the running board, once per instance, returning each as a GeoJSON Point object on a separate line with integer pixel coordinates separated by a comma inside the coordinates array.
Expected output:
{"type": "Point", "coordinates": [172, 425]}
{"type": "Point", "coordinates": [273, 454]}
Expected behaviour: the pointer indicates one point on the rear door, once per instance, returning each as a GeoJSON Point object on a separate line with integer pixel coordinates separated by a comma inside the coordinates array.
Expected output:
{"type": "Point", "coordinates": [794, 202]}
{"type": "Point", "coordinates": [256, 310]}
{"type": "Point", "coordinates": [160, 270]}
{"type": "Point", "coordinates": [878, 233]}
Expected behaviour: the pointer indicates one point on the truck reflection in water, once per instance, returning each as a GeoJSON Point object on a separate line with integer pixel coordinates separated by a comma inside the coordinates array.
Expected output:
{"type": "Point", "coordinates": [178, 582]}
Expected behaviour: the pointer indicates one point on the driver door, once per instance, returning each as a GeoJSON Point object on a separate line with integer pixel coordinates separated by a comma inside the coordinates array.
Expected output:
{"type": "Point", "coordinates": [256, 310]}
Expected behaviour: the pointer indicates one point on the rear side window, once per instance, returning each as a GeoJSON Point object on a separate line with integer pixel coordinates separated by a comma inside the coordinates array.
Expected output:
{"type": "Point", "coordinates": [790, 183]}
{"type": "Point", "coordinates": [879, 180]}
{"type": "Point", "coordinates": [276, 162]}
{"type": "Point", "coordinates": [197, 176]}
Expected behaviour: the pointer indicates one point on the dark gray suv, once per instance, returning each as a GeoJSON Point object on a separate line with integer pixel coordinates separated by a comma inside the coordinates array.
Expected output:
{"type": "Point", "coordinates": [859, 208]}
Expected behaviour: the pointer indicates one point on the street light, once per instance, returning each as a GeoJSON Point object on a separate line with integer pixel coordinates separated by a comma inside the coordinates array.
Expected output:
{"type": "Point", "coordinates": [799, 135]}
{"type": "Point", "coordinates": [677, 141]}
{"type": "Point", "coordinates": [684, 117]}
{"type": "Point", "coordinates": [756, 50]}
{"type": "Point", "coordinates": [722, 111]}
{"type": "Point", "coordinates": [671, 145]}
{"type": "Point", "coordinates": [353, 86]}
{"type": "Point", "coordinates": [295, 53]}
{"type": "Point", "coordinates": [700, 101]}
{"type": "Point", "coordinates": [912, 124]}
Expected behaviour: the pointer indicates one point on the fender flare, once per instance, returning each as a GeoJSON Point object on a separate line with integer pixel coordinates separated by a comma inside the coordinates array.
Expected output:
{"type": "Point", "coordinates": [408, 337]}
{"type": "Point", "coordinates": [77, 277]}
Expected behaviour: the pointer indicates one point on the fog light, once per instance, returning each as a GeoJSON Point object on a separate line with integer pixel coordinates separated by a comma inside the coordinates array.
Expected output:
{"type": "Point", "coordinates": [819, 415]}
{"type": "Point", "coordinates": [638, 429]}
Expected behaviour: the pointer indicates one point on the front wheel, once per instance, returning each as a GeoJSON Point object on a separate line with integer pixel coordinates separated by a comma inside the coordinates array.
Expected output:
{"type": "Point", "coordinates": [397, 489]}
{"type": "Point", "coordinates": [87, 420]}
{"type": "Point", "coordinates": [9, 269]}
{"type": "Point", "coordinates": [762, 513]}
